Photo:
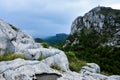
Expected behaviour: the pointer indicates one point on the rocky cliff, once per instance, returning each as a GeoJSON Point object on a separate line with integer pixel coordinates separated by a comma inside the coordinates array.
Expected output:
{"type": "Point", "coordinates": [14, 40]}
{"type": "Point", "coordinates": [104, 21]}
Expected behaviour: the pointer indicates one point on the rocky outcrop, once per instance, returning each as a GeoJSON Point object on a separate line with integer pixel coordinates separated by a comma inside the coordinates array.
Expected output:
{"type": "Point", "coordinates": [51, 56]}
{"type": "Point", "coordinates": [20, 69]}
{"type": "Point", "coordinates": [91, 67]}
{"type": "Point", "coordinates": [16, 41]}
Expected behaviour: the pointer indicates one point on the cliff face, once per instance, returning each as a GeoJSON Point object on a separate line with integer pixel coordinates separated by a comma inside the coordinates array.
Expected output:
{"type": "Point", "coordinates": [105, 21]}
{"type": "Point", "coordinates": [12, 39]}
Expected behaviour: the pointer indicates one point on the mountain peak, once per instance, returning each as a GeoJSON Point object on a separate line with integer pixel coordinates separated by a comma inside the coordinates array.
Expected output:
{"type": "Point", "coordinates": [98, 18]}
{"type": "Point", "coordinates": [104, 11]}
{"type": "Point", "coordinates": [98, 8]}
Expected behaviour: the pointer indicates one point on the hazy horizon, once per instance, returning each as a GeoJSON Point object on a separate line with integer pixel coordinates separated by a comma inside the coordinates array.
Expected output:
{"type": "Point", "coordinates": [42, 18]}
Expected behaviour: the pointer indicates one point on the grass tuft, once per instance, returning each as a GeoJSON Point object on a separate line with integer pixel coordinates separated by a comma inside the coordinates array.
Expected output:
{"type": "Point", "coordinates": [74, 63]}
{"type": "Point", "coordinates": [53, 66]}
{"type": "Point", "coordinates": [41, 58]}
{"type": "Point", "coordinates": [10, 56]}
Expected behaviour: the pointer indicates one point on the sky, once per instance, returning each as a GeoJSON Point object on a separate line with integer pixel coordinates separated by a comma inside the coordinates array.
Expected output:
{"type": "Point", "coordinates": [42, 18]}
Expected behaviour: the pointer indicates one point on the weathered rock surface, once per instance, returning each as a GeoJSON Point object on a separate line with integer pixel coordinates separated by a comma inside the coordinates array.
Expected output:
{"type": "Point", "coordinates": [13, 40]}
{"type": "Point", "coordinates": [16, 41]}
{"type": "Point", "coordinates": [20, 69]}
{"type": "Point", "coordinates": [91, 67]}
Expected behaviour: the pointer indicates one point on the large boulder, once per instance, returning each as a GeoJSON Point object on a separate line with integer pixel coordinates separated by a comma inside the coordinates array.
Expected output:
{"type": "Point", "coordinates": [90, 67]}
{"type": "Point", "coordinates": [51, 56]}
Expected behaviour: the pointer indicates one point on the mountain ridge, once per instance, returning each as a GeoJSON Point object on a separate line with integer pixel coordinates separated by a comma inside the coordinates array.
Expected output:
{"type": "Point", "coordinates": [57, 39]}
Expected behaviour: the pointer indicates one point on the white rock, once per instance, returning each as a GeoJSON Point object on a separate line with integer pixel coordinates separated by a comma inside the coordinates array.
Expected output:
{"type": "Point", "coordinates": [91, 67]}
{"type": "Point", "coordinates": [20, 69]}
{"type": "Point", "coordinates": [114, 77]}
{"type": "Point", "coordinates": [52, 57]}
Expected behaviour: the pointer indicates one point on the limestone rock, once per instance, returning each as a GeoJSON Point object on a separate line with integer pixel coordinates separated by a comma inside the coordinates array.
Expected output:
{"type": "Point", "coordinates": [20, 69]}
{"type": "Point", "coordinates": [114, 77]}
{"type": "Point", "coordinates": [51, 56]}
{"type": "Point", "coordinates": [14, 40]}
{"type": "Point", "coordinates": [91, 67]}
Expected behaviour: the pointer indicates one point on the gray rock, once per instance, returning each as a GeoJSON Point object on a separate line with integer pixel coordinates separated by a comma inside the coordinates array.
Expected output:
{"type": "Point", "coordinates": [13, 40]}
{"type": "Point", "coordinates": [114, 77]}
{"type": "Point", "coordinates": [52, 57]}
{"type": "Point", "coordinates": [20, 69]}
{"type": "Point", "coordinates": [90, 67]}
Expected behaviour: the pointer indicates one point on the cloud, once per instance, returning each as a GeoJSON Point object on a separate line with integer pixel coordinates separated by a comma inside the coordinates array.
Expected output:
{"type": "Point", "coordinates": [48, 17]}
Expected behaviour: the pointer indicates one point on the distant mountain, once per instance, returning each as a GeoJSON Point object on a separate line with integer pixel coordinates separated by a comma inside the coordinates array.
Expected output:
{"type": "Point", "coordinates": [58, 38]}
{"type": "Point", "coordinates": [39, 40]}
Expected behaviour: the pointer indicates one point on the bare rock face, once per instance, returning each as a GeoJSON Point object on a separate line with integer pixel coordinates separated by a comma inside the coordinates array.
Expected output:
{"type": "Point", "coordinates": [20, 69]}
{"type": "Point", "coordinates": [13, 40]}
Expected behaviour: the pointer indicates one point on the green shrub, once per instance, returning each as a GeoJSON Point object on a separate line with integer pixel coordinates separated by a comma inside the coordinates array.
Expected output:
{"type": "Point", "coordinates": [45, 45]}
{"type": "Point", "coordinates": [106, 57]}
{"type": "Point", "coordinates": [54, 66]}
{"type": "Point", "coordinates": [41, 58]}
{"type": "Point", "coordinates": [10, 56]}
{"type": "Point", "coordinates": [74, 63]}
{"type": "Point", "coordinates": [70, 54]}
